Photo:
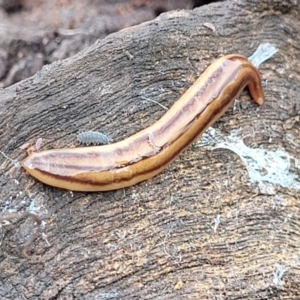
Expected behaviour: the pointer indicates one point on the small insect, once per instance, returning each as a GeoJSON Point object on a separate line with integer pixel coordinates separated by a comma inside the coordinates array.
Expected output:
{"type": "Point", "coordinates": [24, 146]}
{"type": "Point", "coordinates": [31, 149]}
{"type": "Point", "coordinates": [92, 137]}
{"type": "Point", "coordinates": [210, 26]}
{"type": "Point", "coordinates": [38, 144]}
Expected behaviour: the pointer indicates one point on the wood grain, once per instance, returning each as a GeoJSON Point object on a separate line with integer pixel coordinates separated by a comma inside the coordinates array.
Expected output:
{"type": "Point", "coordinates": [156, 240]}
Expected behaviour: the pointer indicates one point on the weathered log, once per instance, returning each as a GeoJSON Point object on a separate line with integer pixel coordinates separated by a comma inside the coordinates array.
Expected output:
{"type": "Point", "coordinates": [157, 239]}
{"type": "Point", "coordinates": [46, 31]}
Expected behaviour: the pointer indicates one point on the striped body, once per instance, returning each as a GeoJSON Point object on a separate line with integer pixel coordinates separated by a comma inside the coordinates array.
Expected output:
{"type": "Point", "coordinates": [148, 152]}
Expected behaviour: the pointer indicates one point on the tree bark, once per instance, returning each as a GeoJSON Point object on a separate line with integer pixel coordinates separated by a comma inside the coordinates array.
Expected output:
{"type": "Point", "coordinates": [157, 239]}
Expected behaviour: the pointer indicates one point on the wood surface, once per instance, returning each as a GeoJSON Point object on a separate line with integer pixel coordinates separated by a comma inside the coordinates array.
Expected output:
{"type": "Point", "coordinates": [156, 240]}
